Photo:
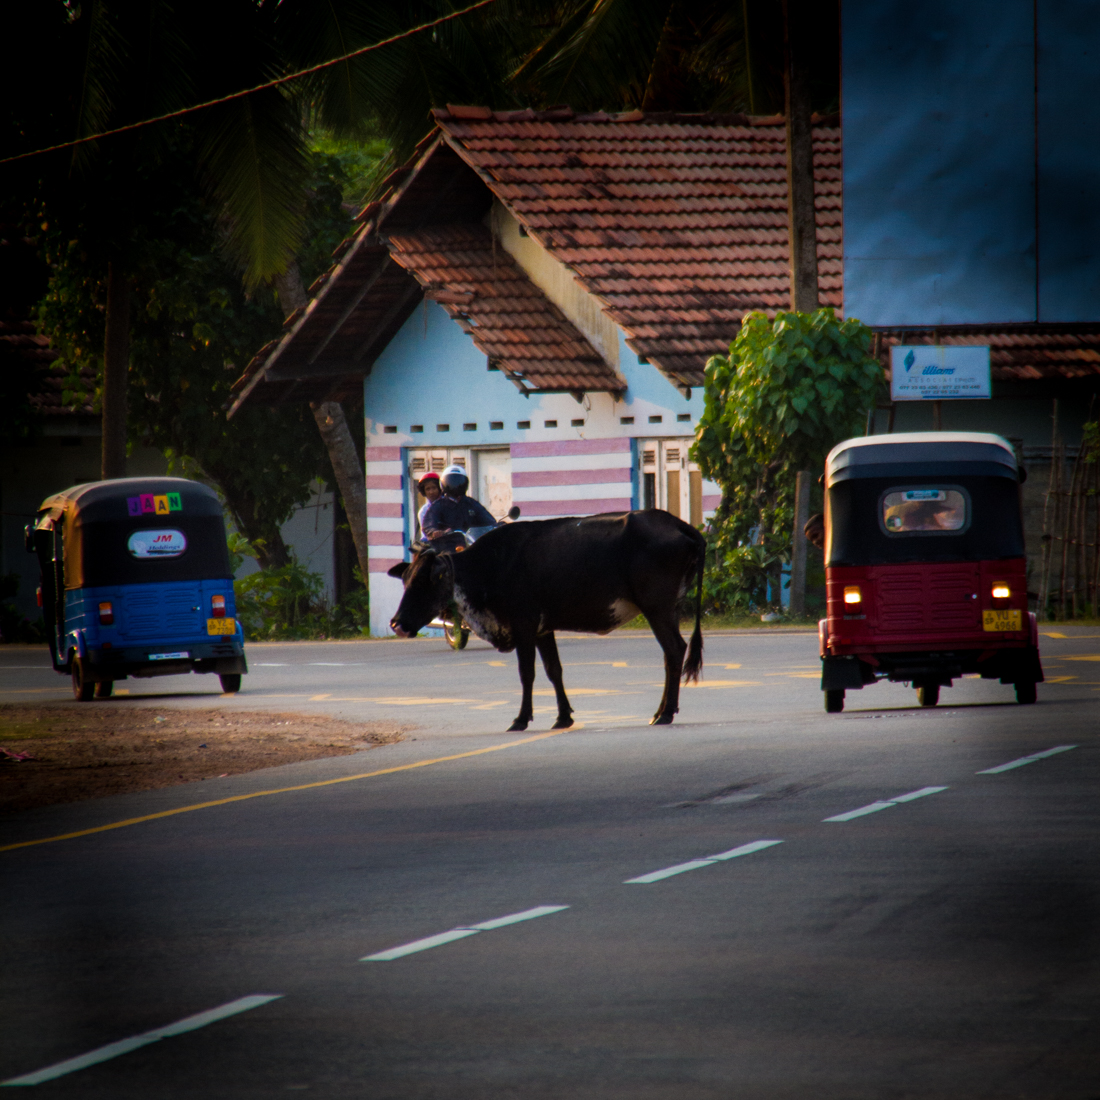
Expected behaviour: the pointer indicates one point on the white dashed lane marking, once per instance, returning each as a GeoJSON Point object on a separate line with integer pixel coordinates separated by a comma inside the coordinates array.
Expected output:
{"type": "Point", "coordinates": [885, 804]}
{"type": "Point", "coordinates": [705, 861]}
{"type": "Point", "coordinates": [1025, 760]}
{"type": "Point", "coordinates": [461, 933]}
{"type": "Point", "coordinates": [124, 1046]}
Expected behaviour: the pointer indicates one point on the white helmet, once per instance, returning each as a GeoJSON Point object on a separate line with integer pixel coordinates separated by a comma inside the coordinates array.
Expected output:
{"type": "Point", "coordinates": [454, 481]}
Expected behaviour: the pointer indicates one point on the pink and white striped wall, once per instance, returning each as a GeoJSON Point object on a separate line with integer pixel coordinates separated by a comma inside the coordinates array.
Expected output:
{"type": "Point", "coordinates": [572, 477]}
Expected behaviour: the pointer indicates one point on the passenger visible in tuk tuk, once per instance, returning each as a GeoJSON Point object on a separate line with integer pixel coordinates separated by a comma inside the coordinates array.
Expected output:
{"type": "Point", "coordinates": [925, 570]}
{"type": "Point", "coordinates": [136, 581]}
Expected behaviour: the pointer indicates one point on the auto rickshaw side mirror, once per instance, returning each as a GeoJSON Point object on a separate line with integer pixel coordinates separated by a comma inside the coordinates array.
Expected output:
{"type": "Point", "coordinates": [513, 512]}
{"type": "Point", "coordinates": [1021, 474]}
{"type": "Point", "coordinates": [28, 538]}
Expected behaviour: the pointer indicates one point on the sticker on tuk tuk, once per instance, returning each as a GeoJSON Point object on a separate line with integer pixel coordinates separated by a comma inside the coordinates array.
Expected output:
{"type": "Point", "coordinates": [221, 626]}
{"type": "Point", "coordinates": [157, 544]}
{"type": "Point", "coordinates": [159, 504]}
{"type": "Point", "coordinates": [1002, 619]}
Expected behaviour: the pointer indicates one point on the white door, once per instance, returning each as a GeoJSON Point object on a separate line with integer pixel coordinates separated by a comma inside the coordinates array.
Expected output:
{"type": "Point", "coordinates": [420, 462]}
{"type": "Point", "coordinates": [669, 480]}
{"type": "Point", "coordinates": [491, 480]}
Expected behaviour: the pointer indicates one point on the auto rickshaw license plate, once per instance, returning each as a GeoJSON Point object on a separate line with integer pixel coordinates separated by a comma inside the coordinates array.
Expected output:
{"type": "Point", "coordinates": [1002, 620]}
{"type": "Point", "coordinates": [229, 626]}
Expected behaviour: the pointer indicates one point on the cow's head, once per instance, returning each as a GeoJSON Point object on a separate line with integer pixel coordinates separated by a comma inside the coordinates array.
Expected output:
{"type": "Point", "coordinates": [429, 586]}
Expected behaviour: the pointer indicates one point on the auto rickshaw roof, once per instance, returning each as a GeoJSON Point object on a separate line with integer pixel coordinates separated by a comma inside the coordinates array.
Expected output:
{"type": "Point", "coordinates": [918, 454]}
{"type": "Point", "coordinates": [98, 501]}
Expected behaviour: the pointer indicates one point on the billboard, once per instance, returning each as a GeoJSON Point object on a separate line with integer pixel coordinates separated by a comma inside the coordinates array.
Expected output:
{"type": "Point", "coordinates": [970, 161]}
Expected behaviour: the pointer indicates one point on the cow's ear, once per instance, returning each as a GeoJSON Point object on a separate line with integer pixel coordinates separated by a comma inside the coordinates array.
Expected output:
{"type": "Point", "coordinates": [399, 570]}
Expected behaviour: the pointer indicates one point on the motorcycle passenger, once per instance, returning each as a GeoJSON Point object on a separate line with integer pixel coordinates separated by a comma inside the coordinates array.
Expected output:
{"type": "Point", "coordinates": [454, 510]}
{"type": "Point", "coordinates": [428, 487]}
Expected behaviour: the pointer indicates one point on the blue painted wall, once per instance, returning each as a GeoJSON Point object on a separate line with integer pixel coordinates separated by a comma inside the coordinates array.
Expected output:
{"type": "Point", "coordinates": [971, 161]}
{"type": "Point", "coordinates": [432, 373]}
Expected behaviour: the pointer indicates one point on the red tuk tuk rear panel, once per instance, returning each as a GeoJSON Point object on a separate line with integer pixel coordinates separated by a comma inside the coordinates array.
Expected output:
{"type": "Point", "coordinates": [926, 575]}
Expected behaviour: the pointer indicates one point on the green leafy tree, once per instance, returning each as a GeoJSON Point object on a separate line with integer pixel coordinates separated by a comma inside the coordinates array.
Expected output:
{"type": "Point", "coordinates": [789, 390]}
{"type": "Point", "coordinates": [192, 328]}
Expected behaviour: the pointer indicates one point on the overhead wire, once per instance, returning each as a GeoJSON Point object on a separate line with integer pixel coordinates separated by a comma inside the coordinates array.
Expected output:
{"type": "Point", "coordinates": [248, 91]}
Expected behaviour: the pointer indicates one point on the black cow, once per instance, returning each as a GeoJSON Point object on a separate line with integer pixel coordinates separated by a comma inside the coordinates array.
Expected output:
{"type": "Point", "coordinates": [519, 583]}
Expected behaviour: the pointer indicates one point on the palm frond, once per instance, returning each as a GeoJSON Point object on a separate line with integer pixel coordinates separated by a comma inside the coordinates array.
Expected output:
{"type": "Point", "coordinates": [254, 156]}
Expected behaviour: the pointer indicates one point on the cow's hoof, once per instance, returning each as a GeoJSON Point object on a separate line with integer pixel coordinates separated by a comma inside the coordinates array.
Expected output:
{"type": "Point", "coordinates": [562, 724]}
{"type": "Point", "coordinates": [661, 720]}
{"type": "Point", "coordinates": [517, 726]}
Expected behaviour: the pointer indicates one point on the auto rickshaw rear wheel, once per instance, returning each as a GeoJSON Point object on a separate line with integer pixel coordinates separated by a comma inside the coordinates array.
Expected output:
{"type": "Point", "coordinates": [83, 688]}
{"type": "Point", "coordinates": [928, 695]}
{"type": "Point", "coordinates": [104, 688]}
{"type": "Point", "coordinates": [231, 682]}
{"type": "Point", "coordinates": [1025, 691]}
{"type": "Point", "coordinates": [834, 701]}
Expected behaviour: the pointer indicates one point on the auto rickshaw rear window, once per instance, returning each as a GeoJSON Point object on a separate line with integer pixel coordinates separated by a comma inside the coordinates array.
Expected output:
{"type": "Point", "coordinates": [926, 510]}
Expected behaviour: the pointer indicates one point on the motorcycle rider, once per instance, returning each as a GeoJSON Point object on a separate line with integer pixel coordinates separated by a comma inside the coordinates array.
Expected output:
{"type": "Point", "coordinates": [428, 487]}
{"type": "Point", "coordinates": [454, 510]}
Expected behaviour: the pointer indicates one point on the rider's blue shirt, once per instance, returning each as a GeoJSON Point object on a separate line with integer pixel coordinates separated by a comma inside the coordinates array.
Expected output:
{"type": "Point", "coordinates": [457, 513]}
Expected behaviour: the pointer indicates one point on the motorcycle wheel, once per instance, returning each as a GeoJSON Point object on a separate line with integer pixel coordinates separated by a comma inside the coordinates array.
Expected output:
{"type": "Point", "coordinates": [454, 630]}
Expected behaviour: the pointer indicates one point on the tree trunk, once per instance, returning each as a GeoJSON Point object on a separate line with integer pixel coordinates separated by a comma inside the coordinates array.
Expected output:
{"type": "Point", "coordinates": [802, 224]}
{"type": "Point", "coordinates": [333, 425]}
{"type": "Point", "coordinates": [116, 366]}
{"type": "Point", "coordinates": [349, 473]}
{"type": "Point", "coordinates": [802, 231]}
{"type": "Point", "coordinates": [799, 547]}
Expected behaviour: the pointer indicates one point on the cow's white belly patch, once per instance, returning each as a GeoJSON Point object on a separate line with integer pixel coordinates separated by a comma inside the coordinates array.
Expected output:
{"type": "Point", "coordinates": [483, 623]}
{"type": "Point", "coordinates": [620, 611]}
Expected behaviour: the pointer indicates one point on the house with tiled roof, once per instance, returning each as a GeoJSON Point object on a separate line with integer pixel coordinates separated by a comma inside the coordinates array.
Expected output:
{"type": "Point", "coordinates": [535, 296]}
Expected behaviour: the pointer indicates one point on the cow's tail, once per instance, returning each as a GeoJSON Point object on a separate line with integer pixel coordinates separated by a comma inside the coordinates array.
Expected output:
{"type": "Point", "coordinates": [694, 663]}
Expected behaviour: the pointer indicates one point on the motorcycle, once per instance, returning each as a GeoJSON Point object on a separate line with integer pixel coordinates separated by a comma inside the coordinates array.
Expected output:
{"type": "Point", "coordinates": [455, 630]}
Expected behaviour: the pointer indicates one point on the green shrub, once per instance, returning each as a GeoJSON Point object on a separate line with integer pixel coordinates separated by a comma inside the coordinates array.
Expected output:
{"type": "Point", "coordinates": [289, 602]}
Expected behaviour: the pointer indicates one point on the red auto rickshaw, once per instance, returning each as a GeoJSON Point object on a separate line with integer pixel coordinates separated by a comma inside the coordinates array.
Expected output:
{"type": "Point", "coordinates": [925, 573]}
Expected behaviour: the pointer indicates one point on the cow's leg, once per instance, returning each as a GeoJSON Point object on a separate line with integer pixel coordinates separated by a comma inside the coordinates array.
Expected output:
{"type": "Point", "coordinates": [525, 654]}
{"type": "Point", "coordinates": [548, 651]}
{"type": "Point", "coordinates": [666, 629]}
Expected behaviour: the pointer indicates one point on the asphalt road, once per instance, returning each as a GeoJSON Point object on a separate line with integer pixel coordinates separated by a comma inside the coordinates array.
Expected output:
{"type": "Point", "coordinates": [944, 943]}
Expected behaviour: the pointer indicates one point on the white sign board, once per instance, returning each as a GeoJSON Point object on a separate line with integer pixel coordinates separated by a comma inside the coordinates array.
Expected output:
{"type": "Point", "coordinates": [927, 372]}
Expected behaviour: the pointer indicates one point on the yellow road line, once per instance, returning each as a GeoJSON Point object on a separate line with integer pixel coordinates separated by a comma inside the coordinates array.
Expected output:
{"type": "Point", "coordinates": [281, 790]}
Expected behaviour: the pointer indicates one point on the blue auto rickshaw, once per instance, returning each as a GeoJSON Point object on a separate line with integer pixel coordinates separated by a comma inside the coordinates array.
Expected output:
{"type": "Point", "coordinates": [136, 581]}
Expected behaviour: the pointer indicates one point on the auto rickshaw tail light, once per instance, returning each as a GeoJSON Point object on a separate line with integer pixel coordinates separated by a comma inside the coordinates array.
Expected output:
{"type": "Point", "coordinates": [852, 594]}
{"type": "Point", "coordinates": [106, 613]}
{"type": "Point", "coordinates": [217, 607]}
{"type": "Point", "coordinates": [38, 595]}
{"type": "Point", "coordinates": [1001, 592]}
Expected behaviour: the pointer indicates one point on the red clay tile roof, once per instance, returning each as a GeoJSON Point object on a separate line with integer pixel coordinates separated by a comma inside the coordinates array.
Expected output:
{"type": "Point", "coordinates": [20, 341]}
{"type": "Point", "coordinates": [678, 225]}
{"type": "Point", "coordinates": [504, 313]}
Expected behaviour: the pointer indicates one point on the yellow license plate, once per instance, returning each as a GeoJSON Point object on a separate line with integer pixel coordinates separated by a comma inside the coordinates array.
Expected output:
{"type": "Point", "coordinates": [229, 626]}
{"type": "Point", "coordinates": [1002, 620]}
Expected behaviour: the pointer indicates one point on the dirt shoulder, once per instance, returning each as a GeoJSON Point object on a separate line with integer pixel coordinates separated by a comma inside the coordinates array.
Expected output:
{"type": "Point", "coordinates": [67, 754]}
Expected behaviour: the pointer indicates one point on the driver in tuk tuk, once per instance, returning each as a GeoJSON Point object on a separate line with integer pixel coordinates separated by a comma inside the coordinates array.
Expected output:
{"type": "Point", "coordinates": [454, 510]}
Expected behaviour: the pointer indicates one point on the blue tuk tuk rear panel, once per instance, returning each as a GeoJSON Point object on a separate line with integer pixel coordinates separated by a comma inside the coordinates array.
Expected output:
{"type": "Point", "coordinates": [136, 580]}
